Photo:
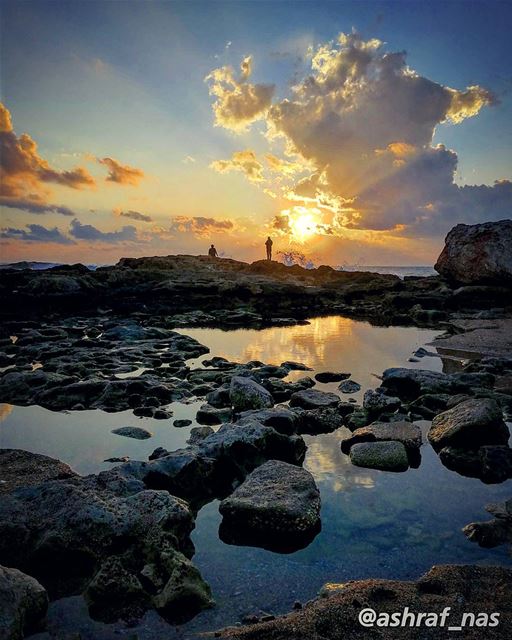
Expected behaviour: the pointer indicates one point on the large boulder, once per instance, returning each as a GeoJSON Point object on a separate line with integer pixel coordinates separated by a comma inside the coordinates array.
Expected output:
{"type": "Point", "coordinates": [479, 253]}
{"type": "Point", "coordinates": [248, 394]}
{"type": "Point", "coordinates": [23, 604]}
{"type": "Point", "coordinates": [278, 502]}
{"type": "Point", "coordinates": [469, 425]}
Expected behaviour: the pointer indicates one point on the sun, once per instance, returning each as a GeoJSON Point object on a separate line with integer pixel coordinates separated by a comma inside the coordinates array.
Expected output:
{"type": "Point", "coordinates": [303, 223]}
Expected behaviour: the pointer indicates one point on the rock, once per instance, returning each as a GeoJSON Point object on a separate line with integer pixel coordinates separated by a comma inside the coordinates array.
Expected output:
{"type": "Point", "coordinates": [386, 456]}
{"type": "Point", "coordinates": [133, 432]}
{"type": "Point", "coordinates": [492, 533]}
{"type": "Point", "coordinates": [211, 416]}
{"type": "Point", "coordinates": [281, 418]}
{"type": "Point", "coordinates": [313, 399]}
{"type": "Point", "coordinates": [491, 463]}
{"type": "Point", "coordinates": [20, 468]}
{"type": "Point", "coordinates": [64, 531]}
{"type": "Point", "coordinates": [409, 384]}
{"type": "Point", "coordinates": [295, 366]}
{"type": "Point", "coordinates": [23, 604]}
{"type": "Point", "coordinates": [480, 253]}
{"type": "Point", "coordinates": [405, 432]}
{"type": "Point", "coordinates": [197, 434]}
{"type": "Point", "coordinates": [277, 502]}
{"type": "Point", "coordinates": [466, 588]}
{"type": "Point", "coordinates": [331, 376]}
{"type": "Point", "coordinates": [349, 386]}
{"type": "Point", "coordinates": [469, 425]}
{"type": "Point", "coordinates": [117, 459]}
{"type": "Point", "coordinates": [375, 403]}
{"type": "Point", "coordinates": [185, 593]}
{"type": "Point", "coordinates": [247, 394]}
{"type": "Point", "coordinates": [182, 423]}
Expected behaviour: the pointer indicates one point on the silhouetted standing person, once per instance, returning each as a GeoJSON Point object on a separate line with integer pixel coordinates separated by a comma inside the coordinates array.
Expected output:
{"type": "Point", "coordinates": [212, 252]}
{"type": "Point", "coordinates": [269, 244]}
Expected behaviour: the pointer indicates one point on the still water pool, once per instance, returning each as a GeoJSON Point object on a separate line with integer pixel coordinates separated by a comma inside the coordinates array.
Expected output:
{"type": "Point", "coordinates": [374, 524]}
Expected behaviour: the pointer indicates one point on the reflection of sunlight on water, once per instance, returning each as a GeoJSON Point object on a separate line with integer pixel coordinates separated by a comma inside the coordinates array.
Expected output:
{"type": "Point", "coordinates": [5, 410]}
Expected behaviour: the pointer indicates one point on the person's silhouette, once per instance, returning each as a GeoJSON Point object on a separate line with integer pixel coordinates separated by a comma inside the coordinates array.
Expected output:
{"type": "Point", "coordinates": [268, 245]}
{"type": "Point", "coordinates": [212, 252]}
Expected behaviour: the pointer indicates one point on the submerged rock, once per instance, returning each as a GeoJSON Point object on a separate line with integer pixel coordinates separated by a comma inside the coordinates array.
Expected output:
{"type": "Point", "coordinates": [468, 425]}
{"type": "Point", "coordinates": [491, 464]}
{"type": "Point", "coordinates": [277, 502]}
{"type": "Point", "coordinates": [492, 533]}
{"type": "Point", "coordinates": [385, 455]}
{"type": "Point", "coordinates": [138, 433]}
{"type": "Point", "coordinates": [23, 604]}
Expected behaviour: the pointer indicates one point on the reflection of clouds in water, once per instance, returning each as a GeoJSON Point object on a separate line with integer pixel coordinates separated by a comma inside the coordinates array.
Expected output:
{"type": "Point", "coordinates": [5, 410]}
{"type": "Point", "coordinates": [329, 465]}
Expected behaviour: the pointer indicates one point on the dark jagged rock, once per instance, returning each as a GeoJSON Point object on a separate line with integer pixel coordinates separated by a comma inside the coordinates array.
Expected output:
{"type": "Point", "coordinates": [331, 376]}
{"type": "Point", "coordinates": [133, 432]}
{"type": "Point", "coordinates": [247, 394]}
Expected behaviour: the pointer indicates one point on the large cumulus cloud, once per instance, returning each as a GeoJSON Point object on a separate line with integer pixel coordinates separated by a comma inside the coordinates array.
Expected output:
{"type": "Point", "coordinates": [364, 121]}
{"type": "Point", "coordinates": [238, 102]}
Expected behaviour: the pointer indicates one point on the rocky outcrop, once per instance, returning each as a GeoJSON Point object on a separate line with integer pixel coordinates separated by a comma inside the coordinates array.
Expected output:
{"type": "Point", "coordinates": [480, 253]}
{"type": "Point", "coordinates": [469, 425]}
{"type": "Point", "coordinates": [336, 615]}
{"type": "Point", "coordinates": [277, 506]}
{"type": "Point", "coordinates": [23, 604]}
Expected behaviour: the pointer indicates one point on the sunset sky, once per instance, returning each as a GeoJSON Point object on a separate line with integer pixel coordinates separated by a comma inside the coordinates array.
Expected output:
{"type": "Point", "coordinates": [351, 132]}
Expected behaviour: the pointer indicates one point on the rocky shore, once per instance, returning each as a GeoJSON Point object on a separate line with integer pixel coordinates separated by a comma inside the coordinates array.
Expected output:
{"type": "Point", "coordinates": [122, 537]}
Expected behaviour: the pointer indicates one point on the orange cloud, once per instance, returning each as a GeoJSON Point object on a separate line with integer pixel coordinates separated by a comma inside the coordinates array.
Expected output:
{"type": "Point", "coordinates": [24, 174]}
{"type": "Point", "coordinates": [121, 174]}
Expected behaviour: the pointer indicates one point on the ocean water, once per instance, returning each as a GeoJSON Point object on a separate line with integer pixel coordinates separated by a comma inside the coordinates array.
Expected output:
{"type": "Point", "coordinates": [401, 272]}
{"type": "Point", "coordinates": [374, 523]}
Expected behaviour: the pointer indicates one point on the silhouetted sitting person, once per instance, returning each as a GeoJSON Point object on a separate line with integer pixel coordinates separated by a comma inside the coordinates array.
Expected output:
{"type": "Point", "coordinates": [212, 252]}
{"type": "Point", "coordinates": [269, 244]}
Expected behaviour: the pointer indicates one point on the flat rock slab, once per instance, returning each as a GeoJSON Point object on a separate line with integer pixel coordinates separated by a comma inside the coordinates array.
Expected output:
{"type": "Point", "coordinates": [133, 432]}
{"type": "Point", "coordinates": [405, 432]}
{"type": "Point", "coordinates": [469, 425]}
{"type": "Point", "coordinates": [276, 497]}
{"type": "Point", "coordinates": [484, 337]}
{"type": "Point", "coordinates": [20, 468]}
{"type": "Point", "coordinates": [386, 456]}
{"type": "Point", "coordinates": [313, 399]}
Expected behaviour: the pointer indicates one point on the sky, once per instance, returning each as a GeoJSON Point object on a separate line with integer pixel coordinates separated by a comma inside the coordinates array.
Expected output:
{"type": "Point", "coordinates": [349, 132]}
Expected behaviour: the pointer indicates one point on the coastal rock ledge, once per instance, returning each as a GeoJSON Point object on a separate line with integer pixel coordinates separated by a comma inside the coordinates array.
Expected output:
{"type": "Point", "coordinates": [478, 254]}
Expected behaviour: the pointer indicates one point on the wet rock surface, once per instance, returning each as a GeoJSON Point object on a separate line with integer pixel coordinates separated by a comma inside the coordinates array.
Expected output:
{"type": "Point", "coordinates": [20, 468]}
{"type": "Point", "coordinates": [384, 455]}
{"type": "Point", "coordinates": [23, 604]}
